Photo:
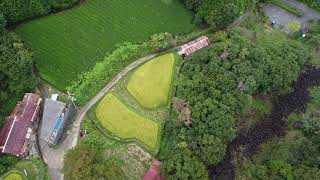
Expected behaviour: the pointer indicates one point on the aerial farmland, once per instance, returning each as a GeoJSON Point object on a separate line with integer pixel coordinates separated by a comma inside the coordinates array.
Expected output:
{"type": "Point", "coordinates": [159, 89]}
{"type": "Point", "coordinates": [68, 43]}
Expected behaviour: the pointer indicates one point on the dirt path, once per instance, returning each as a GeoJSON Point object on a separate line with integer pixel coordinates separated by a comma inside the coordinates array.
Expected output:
{"type": "Point", "coordinates": [54, 157]}
{"type": "Point", "coordinates": [273, 125]}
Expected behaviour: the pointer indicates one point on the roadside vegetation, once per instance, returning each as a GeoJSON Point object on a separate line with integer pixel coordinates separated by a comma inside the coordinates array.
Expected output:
{"type": "Point", "coordinates": [150, 84]}
{"type": "Point", "coordinates": [312, 3]}
{"type": "Point", "coordinates": [124, 123]}
{"type": "Point", "coordinates": [286, 7]}
{"type": "Point", "coordinates": [71, 42]}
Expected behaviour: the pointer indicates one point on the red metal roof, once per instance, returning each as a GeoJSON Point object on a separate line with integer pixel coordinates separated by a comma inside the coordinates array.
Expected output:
{"type": "Point", "coordinates": [194, 45]}
{"type": "Point", "coordinates": [154, 171]}
{"type": "Point", "coordinates": [14, 134]}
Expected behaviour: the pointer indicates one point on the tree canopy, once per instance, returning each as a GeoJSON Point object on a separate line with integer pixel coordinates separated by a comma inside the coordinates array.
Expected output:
{"type": "Point", "coordinates": [217, 82]}
{"type": "Point", "coordinates": [85, 162]}
{"type": "Point", "coordinates": [16, 74]}
{"type": "Point", "coordinates": [19, 10]}
{"type": "Point", "coordinates": [218, 13]}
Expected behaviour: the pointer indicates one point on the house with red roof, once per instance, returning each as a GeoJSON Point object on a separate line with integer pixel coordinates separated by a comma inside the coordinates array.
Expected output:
{"type": "Point", "coordinates": [17, 128]}
{"type": "Point", "coordinates": [153, 172]}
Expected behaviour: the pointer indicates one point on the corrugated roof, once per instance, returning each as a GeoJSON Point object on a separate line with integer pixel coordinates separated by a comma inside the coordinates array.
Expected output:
{"type": "Point", "coordinates": [16, 126]}
{"type": "Point", "coordinates": [51, 113]}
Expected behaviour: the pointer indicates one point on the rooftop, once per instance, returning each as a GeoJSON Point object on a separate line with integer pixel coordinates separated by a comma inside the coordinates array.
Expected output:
{"type": "Point", "coordinates": [51, 114]}
{"type": "Point", "coordinates": [18, 126]}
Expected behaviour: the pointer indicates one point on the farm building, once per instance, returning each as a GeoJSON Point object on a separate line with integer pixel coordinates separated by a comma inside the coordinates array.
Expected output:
{"type": "Point", "coordinates": [154, 172]}
{"type": "Point", "coordinates": [193, 46]}
{"type": "Point", "coordinates": [53, 121]}
{"type": "Point", "coordinates": [16, 131]}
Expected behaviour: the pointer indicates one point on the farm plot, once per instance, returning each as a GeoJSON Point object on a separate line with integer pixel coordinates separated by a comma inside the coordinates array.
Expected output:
{"type": "Point", "coordinates": [150, 84]}
{"type": "Point", "coordinates": [68, 43]}
{"type": "Point", "coordinates": [126, 124]}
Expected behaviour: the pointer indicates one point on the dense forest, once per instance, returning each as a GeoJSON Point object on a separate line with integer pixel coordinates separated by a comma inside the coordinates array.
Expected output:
{"type": "Point", "coordinates": [19, 10]}
{"type": "Point", "coordinates": [219, 83]}
{"type": "Point", "coordinates": [294, 156]}
{"type": "Point", "coordinates": [218, 13]}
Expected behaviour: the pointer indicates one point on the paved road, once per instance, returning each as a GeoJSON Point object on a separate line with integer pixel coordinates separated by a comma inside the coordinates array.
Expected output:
{"type": "Point", "coordinates": [283, 18]}
{"type": "Point", "coordinates": [54, 157]}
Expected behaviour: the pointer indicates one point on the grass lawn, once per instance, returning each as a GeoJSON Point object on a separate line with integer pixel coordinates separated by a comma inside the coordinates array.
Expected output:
{"type": "Point", "coordinates": [150, 84]}
{"type": "Point", "coordinates": [126, 124]}
{"type": "Point", "coordinates": [68, 43]}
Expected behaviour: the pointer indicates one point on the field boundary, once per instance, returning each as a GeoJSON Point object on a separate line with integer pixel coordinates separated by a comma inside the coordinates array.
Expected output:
{"type": "Point", "coordinates": [92, 117]}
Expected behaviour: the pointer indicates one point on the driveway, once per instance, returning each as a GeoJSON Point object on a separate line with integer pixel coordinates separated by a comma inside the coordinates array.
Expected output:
{"type": "Point", "coordinates": [283, 18]}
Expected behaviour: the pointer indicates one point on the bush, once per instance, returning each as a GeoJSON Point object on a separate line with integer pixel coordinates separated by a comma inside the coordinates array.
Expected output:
{"type": "Point", "coordinates": [294, 26]}
{"type": "Point", "coordinates": [87, 162]}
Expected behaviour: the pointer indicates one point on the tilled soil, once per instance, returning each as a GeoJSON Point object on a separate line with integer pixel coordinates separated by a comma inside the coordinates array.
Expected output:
{"type": "Point", "coordinates": [272, 125]}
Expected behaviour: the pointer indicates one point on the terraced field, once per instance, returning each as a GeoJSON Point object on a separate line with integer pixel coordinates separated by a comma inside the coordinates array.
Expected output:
{"type": "Point", "coordinates": [68, 43]}
{"type": "Point", "coordinates": [124, 123]}
{"type": "Point", "coordinates": [150, 83]}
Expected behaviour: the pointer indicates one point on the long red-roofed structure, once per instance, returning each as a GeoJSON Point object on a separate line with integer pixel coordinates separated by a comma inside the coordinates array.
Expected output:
{"type": "Point", "coordinates": [15, 133]}
{"type": "Point", "coordinates": [193, 46]}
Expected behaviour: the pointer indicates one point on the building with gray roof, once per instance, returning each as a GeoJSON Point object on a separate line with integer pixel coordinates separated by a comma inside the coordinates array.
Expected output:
{"type": "Point", "coordinates": [53, 121]}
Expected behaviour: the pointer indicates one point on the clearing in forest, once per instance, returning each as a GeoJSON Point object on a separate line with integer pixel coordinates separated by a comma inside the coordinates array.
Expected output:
{"type": "Point", "coordinates": [68, 43]}
{"type": "Point", "coordinates": [118, 119]}
{"type": "Point", "coordinates": [150, 84]}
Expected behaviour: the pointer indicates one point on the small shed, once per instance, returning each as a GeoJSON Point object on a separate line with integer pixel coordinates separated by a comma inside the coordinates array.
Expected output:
{"type": "Point", "coordinates": [193, 46]}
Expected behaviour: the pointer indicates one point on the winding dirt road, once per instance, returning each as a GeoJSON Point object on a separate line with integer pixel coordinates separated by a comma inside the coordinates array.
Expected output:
{"type": "Point", "coordinates": [54, 157]}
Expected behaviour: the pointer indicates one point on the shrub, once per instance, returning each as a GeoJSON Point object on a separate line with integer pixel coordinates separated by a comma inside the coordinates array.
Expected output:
{"type": "Point", "coordinates": [294, 26]}
{"type": "Point", "coordinates": [91, 82]}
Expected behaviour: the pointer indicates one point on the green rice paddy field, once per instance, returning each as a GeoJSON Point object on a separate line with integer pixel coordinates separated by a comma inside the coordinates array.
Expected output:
{"type": "Point", "coordinates": [121, 121]}
{"type": "Point", "coordinates": [68, 43]}
{"type": "Point", "coordinates": [150, 84]}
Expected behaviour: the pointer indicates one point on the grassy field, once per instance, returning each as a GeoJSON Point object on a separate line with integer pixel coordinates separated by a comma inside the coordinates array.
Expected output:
{"type": "Point", "coordinates": [68, 43]}
{"type": "Point", "coordinates": [150, 84]}
{"type": "Point", "coordinates": [14, 175]}
{"type": "Point", "coordinates": [126, 124]}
